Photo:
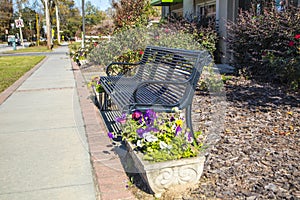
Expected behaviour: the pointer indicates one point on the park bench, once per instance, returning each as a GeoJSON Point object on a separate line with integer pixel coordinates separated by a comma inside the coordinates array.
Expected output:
{"type": "Point", "coordinates": [164, 78]}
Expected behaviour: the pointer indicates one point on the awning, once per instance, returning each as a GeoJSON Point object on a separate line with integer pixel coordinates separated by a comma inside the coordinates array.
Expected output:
{"type": "Point", "coordinates": [164, 2]}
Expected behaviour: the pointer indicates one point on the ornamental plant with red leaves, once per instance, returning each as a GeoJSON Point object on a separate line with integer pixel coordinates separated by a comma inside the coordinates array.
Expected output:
{"type": "Point", "coordinates": [266, 46]}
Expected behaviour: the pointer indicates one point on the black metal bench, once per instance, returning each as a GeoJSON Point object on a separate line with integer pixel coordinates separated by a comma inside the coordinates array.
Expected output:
{"type": "Point", "coordinates": [164, 78]}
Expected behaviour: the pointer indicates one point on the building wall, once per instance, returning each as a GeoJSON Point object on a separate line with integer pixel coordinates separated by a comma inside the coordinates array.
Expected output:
{"type": "Point", "coordinates": [226, 10]}
{"type": "Point", "coordinates": [188, 7]}
{"type": "Point", "coordinates": [177, 9]}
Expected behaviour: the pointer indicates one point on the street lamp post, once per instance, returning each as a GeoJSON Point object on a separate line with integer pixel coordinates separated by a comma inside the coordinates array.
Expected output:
{"type": "Point", "coordinates": [30, 30]}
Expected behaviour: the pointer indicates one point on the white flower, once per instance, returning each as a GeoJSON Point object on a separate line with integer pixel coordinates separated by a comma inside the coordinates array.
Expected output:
{"type": "Point", "coordinates": [150, 138]}
{"type": "Point", "coordinates": [189, 137]}
{"type": "Point", "coordinates": [182, 115]}
{"type": "Point", "coordinates": [175, 109]}
{"type": "Point", "coordinates": [139, 143]}
{"type": "Point", "coordinates": [164, 145]}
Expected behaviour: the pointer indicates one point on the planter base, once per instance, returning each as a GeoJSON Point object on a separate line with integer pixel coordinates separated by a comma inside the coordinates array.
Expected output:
{"type": "Point", "coordinates": [161, 176]}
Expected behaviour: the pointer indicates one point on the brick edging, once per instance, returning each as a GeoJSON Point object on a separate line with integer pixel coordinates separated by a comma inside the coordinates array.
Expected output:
{"type": "Point", "coordinates": [110, 178]}
{"type": "Point", "coordinates": [8, 91]}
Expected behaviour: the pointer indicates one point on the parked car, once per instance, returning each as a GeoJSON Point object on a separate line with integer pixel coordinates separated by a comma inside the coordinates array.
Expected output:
{"type": "Point", "coordinates": [11, 38]}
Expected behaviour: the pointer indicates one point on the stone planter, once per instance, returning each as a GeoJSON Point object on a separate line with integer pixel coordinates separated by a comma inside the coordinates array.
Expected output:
{"type": "Point", "coordinates": [161, 176]}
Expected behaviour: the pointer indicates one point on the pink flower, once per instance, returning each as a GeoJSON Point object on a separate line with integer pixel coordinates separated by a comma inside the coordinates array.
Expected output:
{"type": "Point", "coordinates": [137, 115]}
{"type": "Point", "coordinates": [297, 36]}
{"type": "Point", "coordinates": [291, 43]}
{"type": "Point", "coordinates": [141, 52]}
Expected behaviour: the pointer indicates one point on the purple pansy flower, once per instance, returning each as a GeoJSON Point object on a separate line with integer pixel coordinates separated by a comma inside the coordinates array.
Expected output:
{"type": "Point", "coordinates": [178, 130]}
{"type": "Point", "coordinates": [140, 132]}
{"type": "Point", "coordinates": [172, 119]}
{"type": "Point", "coordinates": [110, 135]}
{"type": "Point", "coordinates": [121, 119]}
{"type": "Point", "coordinates": [149, 117]}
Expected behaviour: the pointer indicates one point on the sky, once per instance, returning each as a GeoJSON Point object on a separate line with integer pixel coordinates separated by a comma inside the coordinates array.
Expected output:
{"type": "Point", "coordinates": [101, 4]}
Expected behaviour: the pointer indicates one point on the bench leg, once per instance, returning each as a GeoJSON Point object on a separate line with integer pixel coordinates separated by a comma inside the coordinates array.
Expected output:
{"type": "Point", "coordinates": [188, 116]}
{"type": "Point", "coordinates": [104, 106]}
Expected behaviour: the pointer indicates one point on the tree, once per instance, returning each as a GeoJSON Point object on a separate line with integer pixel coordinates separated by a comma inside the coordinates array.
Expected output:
{"type": "Point", "coordinates": [93, 15]}
{"type": "Point", "coordinates": [6, 13]}
{"type": "Point", "coordinates": [131, 13]}
{"type": "Point", "coordinates": [71, 21]}
{"type": "Point", "coordinates": [28, 16]}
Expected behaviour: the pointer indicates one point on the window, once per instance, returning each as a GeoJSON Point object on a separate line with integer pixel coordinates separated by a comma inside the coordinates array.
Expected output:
{"type": "Point", "coordinates": [207, 9]}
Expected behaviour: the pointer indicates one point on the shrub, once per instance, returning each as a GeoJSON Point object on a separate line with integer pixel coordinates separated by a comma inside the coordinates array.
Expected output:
{"type": "Point", "coordinates": [131, 13]}
{"type": "Point", "coordinates": [203, 33]}
{"type": "Point", "coordinates": [261, 45]}
{"type": "Point", "coordinates": [126, 45]}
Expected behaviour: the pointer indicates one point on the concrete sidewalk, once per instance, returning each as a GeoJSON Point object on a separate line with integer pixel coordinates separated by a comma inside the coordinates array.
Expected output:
{"type": "Point", "coordinates": [44, 152]}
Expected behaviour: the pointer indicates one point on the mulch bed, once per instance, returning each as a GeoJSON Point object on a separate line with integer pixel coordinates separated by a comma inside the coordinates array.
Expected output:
{"type": "Point", "coordinates": [256, 154]}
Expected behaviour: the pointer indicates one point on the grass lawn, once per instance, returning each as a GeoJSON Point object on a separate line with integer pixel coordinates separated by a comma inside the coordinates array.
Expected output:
{"type": "Point", "coordinates": [13, 67]}
{"type": "Point", "coordinates": [30, 49]}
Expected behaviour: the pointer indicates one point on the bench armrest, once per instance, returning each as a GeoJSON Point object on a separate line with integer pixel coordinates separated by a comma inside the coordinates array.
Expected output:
{"type": "Point", "coordinates": [108, 68]}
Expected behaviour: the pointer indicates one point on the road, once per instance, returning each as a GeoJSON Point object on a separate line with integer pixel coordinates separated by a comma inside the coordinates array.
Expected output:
{"type": "Point", "coordinates": [5, 47]}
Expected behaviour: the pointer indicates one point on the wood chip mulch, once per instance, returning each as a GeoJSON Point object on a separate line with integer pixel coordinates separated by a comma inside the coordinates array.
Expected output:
{"type": "Point", "coordinates": [255, 148]}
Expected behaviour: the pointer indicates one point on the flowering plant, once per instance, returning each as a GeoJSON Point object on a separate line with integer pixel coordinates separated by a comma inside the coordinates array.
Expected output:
{"type": "Point", "coordinates": [295, 44]}
{"type": "Point", "coordinates": [285, 64]}
{"type": "Point", "coordinates": [95, 82]}
{"type": "Point", "coordinates": [159, 136]}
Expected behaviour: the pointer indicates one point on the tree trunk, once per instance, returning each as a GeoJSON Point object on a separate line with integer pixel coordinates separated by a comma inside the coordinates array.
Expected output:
{"type": "Point", "coordinates": [48, 25]}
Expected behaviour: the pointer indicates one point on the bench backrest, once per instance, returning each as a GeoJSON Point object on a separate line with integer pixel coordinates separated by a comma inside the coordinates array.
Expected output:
{"type": "Point", "coordinates": [176, 65]}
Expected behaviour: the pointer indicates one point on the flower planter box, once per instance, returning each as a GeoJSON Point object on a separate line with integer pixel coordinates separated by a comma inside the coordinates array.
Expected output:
{"type": "Point", "coordinates": [99, 98]}
{"type": "Point", "coordinates": [161, 176]}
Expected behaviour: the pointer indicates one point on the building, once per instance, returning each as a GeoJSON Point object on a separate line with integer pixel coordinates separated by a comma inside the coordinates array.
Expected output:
{"type": "Point", "coordinates": [221, 10]}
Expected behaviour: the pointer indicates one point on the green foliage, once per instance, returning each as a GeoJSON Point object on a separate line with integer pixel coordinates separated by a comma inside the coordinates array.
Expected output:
{"type": "Point", "coordinates": [71, 21]}
{"type": "Point", "coordinates": [265, 46]}
{"type": "Point", "coordinates": [126, 45]}
{"type": "Point", "coordinates": [131, 56]}
{"type": "Point", "coordinates": [96, 84]}
{"type": "Point", "coordinates": [204, 34]}
{"type": "Point", "coordinates": [79, 53]}
{"type": "Point", "coordinates": [93, 15]}
{"type": "Point", "coordinates": [160, 137]}
{"type": "Point", "coordinates": [132, 13]}
{"type": "Point", "coordinates": [211, 81]}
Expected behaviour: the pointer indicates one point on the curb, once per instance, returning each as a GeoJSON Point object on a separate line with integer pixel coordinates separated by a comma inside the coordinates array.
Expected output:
{"type": "Point", "coordinates": [111, 182]}
{"type": "Point", "coordinates": [8, 91]}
